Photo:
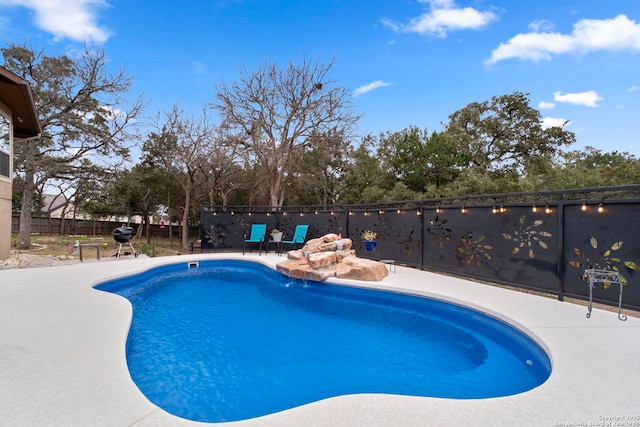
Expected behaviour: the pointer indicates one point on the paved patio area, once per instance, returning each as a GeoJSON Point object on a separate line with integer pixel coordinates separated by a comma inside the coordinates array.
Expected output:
{"type": "Point", "coordinates": [62, 359]}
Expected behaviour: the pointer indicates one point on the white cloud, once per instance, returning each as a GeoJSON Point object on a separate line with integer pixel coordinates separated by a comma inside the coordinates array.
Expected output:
{"type": "Point", "coordinates": [546, 105]}
{"type": "Point", "coordinates": [551, 122]}
{"type": "Point", "coordinates": [588, 35]}
{"type": "Point", "coordinates": [444, 16]}
{"type": "Point", "coordinates": [541, 25]}
{"type": "Point", "coordinates": [369, 87]}
{"type": "Point", "coordinates": [588, 99]}
{"type": "Point", "coordinates": [633, 88]}
{"type": "Point", "coordinates": [72, 19]}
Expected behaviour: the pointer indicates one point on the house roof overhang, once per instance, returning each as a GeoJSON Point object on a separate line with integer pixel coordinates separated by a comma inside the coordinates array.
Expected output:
{"type": "Point", "coordinates": [15, 93]}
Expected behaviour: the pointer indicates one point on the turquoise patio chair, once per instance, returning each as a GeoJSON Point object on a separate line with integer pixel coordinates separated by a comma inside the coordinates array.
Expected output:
{"type": "Point", "coordinates": [299, 236]}
{"type": "Point", "coordinates": [258, 233]}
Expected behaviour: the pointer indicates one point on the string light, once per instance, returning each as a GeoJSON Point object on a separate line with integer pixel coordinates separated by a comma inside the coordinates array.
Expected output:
{"type": "Point", "coordinates": [502, 208]}
{"type": "Point", "coordinates": [438, 210]}
{"type": "Point", "coordinates": [381, 212]}
{"type": "Point", "coordinates": [495, 208]}
{"type": "Point", "coordinates": [600, 208]}
{"type": "Point", "coordinates": [534, 208]}
{"type": "Point", "coordinates": [419, 212]}
{"type": "Point", "coordinates": [464, 209]}
{"type": "Point", "coordinates": [584, 206]}
{"type": "Point", "coordinates": [547, 209]}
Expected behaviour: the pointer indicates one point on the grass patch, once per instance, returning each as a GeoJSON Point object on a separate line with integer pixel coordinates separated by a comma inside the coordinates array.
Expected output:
{"type": "Point", "coordinates": [63, 246]}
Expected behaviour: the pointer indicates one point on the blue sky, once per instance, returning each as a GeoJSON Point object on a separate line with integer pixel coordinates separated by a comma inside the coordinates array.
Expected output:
{"type": "Point", "coordinates": [408, 63]}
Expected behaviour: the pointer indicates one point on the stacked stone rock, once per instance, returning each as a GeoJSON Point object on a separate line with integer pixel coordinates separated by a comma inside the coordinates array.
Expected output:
{"type": "Point", "coordinates": [330, 256]}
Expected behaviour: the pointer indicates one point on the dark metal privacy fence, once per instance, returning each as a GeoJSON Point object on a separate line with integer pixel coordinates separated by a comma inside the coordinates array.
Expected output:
{"type": "Point", "coordinates": [541, 241]}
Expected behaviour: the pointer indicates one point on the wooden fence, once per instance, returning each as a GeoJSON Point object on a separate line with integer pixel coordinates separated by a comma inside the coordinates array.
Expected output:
{"type": "Point", "coordinates": [82, 227]}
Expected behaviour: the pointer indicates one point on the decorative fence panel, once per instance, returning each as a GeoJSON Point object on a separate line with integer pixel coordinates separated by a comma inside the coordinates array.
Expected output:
{"type": "Point", "coordinates": [536, 241]}
{"type": "Point", "coordinates": [516, 246]}
{"type": "Point", "coordinates": [607, 240]}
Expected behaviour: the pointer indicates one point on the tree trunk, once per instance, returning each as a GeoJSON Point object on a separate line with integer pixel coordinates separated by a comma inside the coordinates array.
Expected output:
{"type": "Point", "coordinates": [185, 218]}
{"type": "Point", "coordinates": [61, 226]}
{"type": "Point", "coordinates": [275, 193]}
{"type": "Point", "coordinates": [325, 189]}
{"type": "Point", "coordinates": [225, 198]}
{"type": "Point", "coordinates": [149, 230]}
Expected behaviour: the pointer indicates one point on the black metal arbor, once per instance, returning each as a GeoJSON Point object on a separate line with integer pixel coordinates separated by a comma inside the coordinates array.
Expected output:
{"type": "Point", "coordinates": [542, 241]}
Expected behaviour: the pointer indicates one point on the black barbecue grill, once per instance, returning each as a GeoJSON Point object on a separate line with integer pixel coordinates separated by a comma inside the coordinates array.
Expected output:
{"type": "Point", "coordinates": [123, 235]}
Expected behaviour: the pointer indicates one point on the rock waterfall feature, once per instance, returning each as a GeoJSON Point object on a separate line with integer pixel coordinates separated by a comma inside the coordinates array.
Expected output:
{"type": "Point", "coordinates": [330, 256]}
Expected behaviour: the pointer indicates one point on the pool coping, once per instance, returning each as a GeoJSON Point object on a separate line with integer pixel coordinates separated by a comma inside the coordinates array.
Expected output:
{"type": "Point", "coordinates": [63, 362]}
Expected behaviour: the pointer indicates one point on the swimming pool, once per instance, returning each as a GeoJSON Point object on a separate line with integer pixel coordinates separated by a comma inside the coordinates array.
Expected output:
{"type": "Point", "coordinates": [229, 340]}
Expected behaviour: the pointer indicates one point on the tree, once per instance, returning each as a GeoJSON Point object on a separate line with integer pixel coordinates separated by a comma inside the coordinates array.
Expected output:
{"type": "Point", "coordinates": [364, 181]}
{"type": "Point", "coordinates": [83, 113]}
{"type": "Point", "coordinates": [222, 172]}
{"type": "Point", "coordinates": [504, 134]}
{"type": "Point", "coordinates": [590, 168]}
{"type": "Point", "coordinates": [420, 160]}
{"type": "Point", "coordinates": [178, 148]}
{"type": "Point", "coordinates": [141, 191]}
{"type": "Point", "coordinates": [274, 111]}
{"type": "Point", "coordinates": [317, 170]}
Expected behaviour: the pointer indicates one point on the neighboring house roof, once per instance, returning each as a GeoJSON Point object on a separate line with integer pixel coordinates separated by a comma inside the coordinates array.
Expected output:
{"type": "Point", "coordinates": [15, 93]}
{"type": "Point", "coordinates": [53, 202]}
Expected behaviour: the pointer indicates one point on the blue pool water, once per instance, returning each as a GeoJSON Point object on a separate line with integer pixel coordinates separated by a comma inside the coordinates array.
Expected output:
{"type": "Point", "coordinates": [232, 340]}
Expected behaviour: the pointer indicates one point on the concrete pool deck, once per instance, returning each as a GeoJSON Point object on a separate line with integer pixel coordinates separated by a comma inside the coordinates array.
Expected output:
{"type": "Point", "coordinates": [62, 357]}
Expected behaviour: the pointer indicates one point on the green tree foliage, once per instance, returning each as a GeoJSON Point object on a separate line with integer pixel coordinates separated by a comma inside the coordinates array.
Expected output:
{"type": "Point", "coordinates": [98, 200]}
{"type": "Point", "coordinates": [364, 180]}
{"type": "Point", "coordinates": [504, 134]}
{"type": "Point", "coordinates": [590, 168]}
{"type": "Point", "coordinates": [474, 181]}
{"type": "Point", "coordinates": [316, 173]}
{"type": "Point", "coordinates": [84, 114]}
{"type": "Point", "coordinates": [421, 161]}
{"type": "Point", "coordinates": [141, 191]}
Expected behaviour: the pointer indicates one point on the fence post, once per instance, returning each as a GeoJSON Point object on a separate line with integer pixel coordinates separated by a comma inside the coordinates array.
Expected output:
{"type": "Point", "coordinates": [560, 255]}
